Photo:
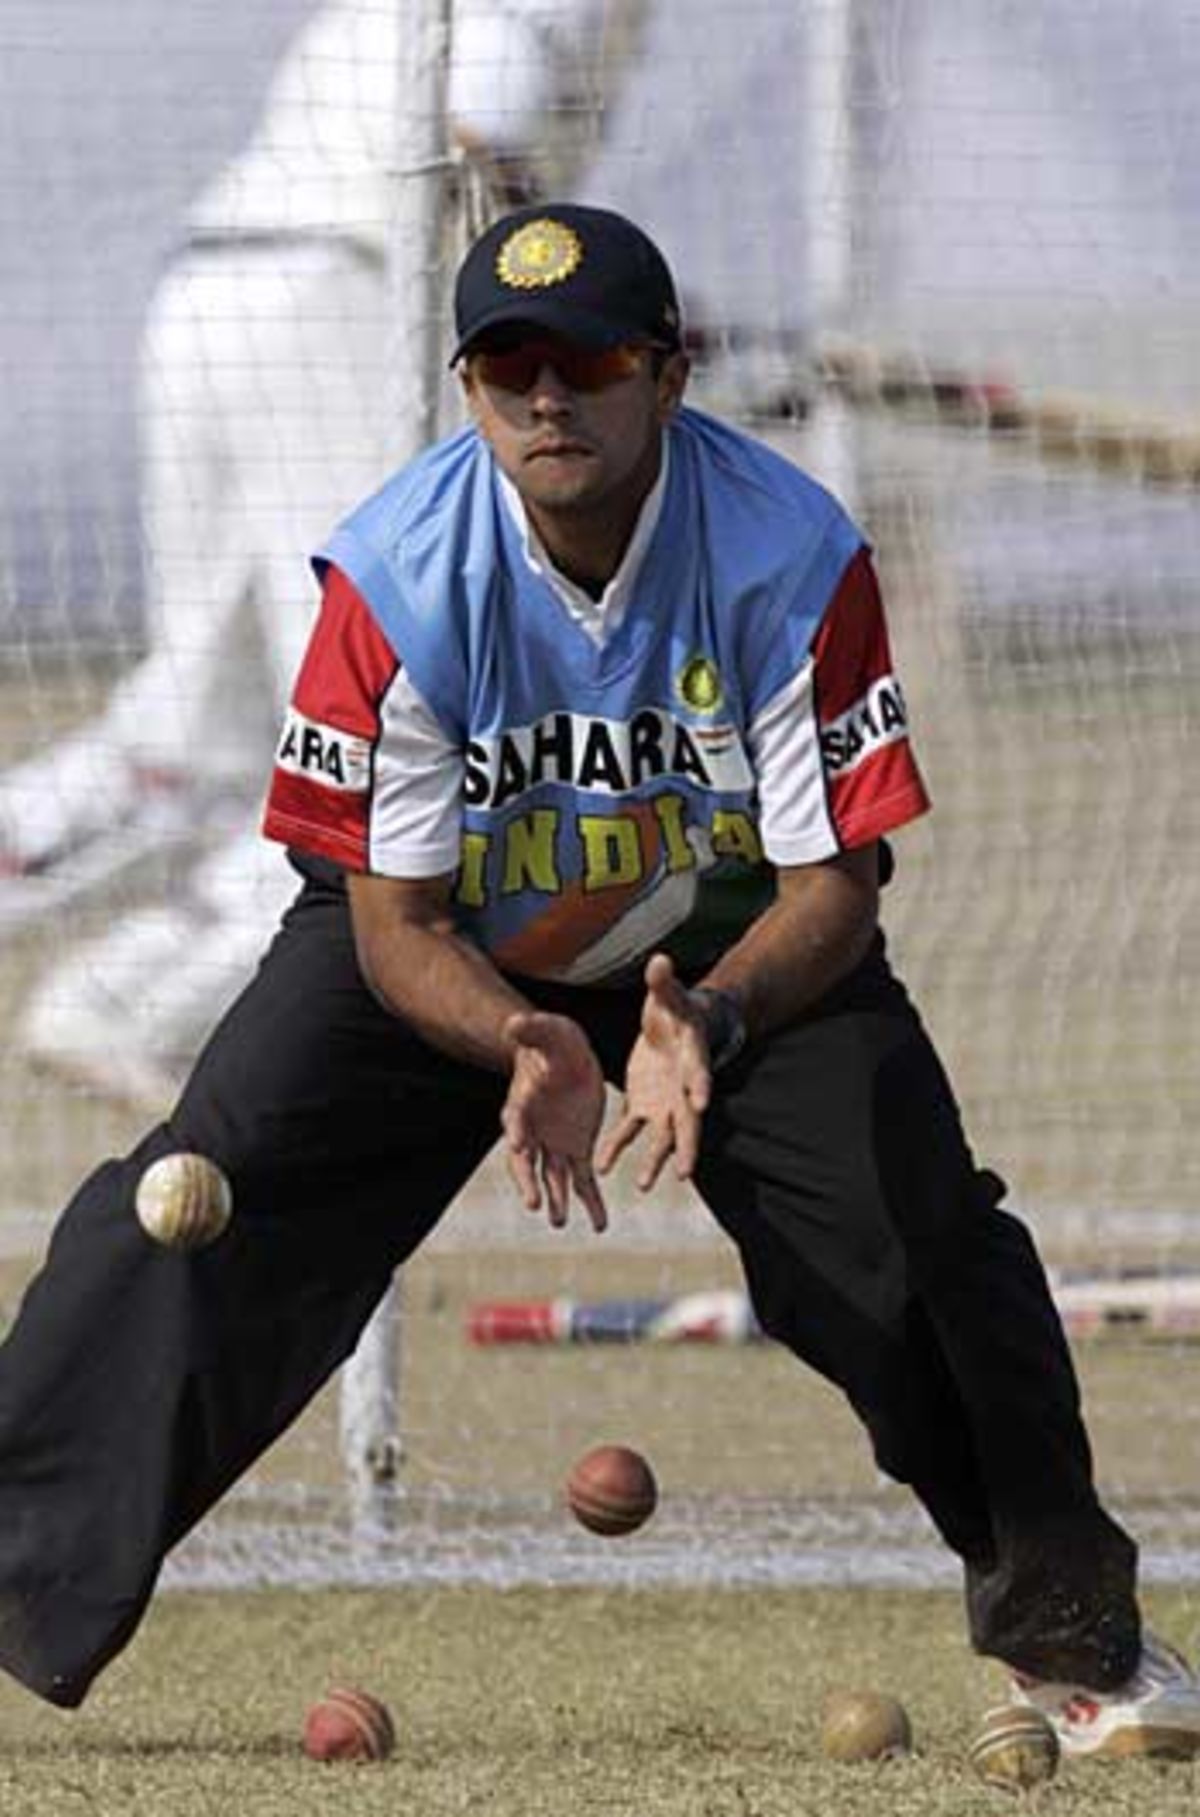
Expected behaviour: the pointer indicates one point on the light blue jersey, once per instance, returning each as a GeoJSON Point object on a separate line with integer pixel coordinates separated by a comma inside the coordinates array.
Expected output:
{"type": "Point", "coordinates": [610, 805]}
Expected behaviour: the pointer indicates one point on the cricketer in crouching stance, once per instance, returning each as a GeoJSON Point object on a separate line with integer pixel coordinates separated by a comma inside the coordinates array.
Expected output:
{"type": "Point", "coordinates": [587, 774]}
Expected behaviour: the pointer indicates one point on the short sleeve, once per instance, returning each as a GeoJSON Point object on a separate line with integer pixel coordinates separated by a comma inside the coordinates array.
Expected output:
{"type": "Point", "coordinates": [831, 749]}
{"type": "Point", "coordinates": [364, 775]}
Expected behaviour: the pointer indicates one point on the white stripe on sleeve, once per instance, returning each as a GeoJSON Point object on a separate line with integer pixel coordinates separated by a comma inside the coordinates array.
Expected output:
{"type": "Point", "coordinates": [416, 805]}
{"type": "Point", "coordinates": [785, 747]}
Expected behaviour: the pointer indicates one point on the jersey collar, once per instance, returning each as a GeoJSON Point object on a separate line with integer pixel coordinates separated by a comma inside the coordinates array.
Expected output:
{"type": "Point", "coordinates": [598, 617]}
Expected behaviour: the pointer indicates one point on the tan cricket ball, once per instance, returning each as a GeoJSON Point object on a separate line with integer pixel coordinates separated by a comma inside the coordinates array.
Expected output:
{"type": "Point", "coordinates": [349, 1725]}
{"type": "Point", "coordinates": [864, 1725]}
{"type": "Point", "coordinates": [611, 1490]}
{"type": "Point", "coordinates": [1015, 1748]}
{"type": "Point", "coordinates": [183, 1201]}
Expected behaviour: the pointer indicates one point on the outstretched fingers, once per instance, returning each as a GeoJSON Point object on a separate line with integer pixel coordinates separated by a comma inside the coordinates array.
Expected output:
{"type": "Point", "coordinates": [668, 1086]}
{"type": "Point", "coordinates": [616, 1139]}
{"type": "Point", "coordinates": [552, 1116]}
{"type": "Point", "coordinates": [587, 1190]}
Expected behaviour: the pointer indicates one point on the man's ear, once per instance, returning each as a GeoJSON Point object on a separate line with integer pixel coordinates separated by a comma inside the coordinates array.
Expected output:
{"type": "Point", "coordinates": [672, 383]}
{"type": "Point", "coordinates": [470, 392]}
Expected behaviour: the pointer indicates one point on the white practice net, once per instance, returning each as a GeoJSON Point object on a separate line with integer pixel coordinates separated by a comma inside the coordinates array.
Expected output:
{"type": "Point", "coordinates": [943, 257]}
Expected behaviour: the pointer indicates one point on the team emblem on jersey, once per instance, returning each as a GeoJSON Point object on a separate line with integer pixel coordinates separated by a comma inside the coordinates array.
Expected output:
{"type": "Point", "coordinates": [541, 253]}
{"type": "Point", "coordinates": [698, 685]}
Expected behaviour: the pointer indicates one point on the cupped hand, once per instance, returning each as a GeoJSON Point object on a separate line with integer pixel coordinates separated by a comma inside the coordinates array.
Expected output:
{"type": "Point", "coordinates": [552, 1116]}
{"type": "Point", "coordinates": [668, 1082]}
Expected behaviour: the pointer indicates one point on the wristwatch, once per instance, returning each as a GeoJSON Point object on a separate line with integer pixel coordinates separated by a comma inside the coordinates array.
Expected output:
{"type": "Point", "coordinates": [724, 1024]}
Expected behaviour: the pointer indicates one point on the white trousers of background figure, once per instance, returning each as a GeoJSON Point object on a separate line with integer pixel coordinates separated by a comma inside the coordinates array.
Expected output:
{"type": "Point", "coordinates": [262, 421]}
{"type": "Point", "coordinates": [262, 424]}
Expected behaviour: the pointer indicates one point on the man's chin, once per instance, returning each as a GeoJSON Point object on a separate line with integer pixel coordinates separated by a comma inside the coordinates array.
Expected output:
{"type": "Point", "coordinates": [565, 493]}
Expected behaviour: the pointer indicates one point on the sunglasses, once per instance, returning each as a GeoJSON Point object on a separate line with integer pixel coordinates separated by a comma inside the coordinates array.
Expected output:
{"type": "Point", "coordinates": [516, 367]}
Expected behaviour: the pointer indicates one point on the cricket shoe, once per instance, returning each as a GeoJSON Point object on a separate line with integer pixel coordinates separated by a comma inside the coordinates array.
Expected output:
{"type": "Point", "coordinates": [66, 794]}
{"type": "Point", "coordinates": [124, 1015]}
{"type": "Point", "coordinates": [73, 856]}
{"type": "Point", "coordinates": [90, 1021]}
{"type": "Point", "coordinates": [76, 820]}
{"type": "Point", "coordinates": [1156, 1713]}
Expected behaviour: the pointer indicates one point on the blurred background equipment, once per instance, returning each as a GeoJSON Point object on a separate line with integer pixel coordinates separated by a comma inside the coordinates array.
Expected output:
{"type": "Point", "coordinates": [942, 258]}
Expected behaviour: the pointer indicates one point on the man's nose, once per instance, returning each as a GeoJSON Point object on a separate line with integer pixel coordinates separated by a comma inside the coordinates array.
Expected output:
{"type": "Point", "coordinates": [549, 390]}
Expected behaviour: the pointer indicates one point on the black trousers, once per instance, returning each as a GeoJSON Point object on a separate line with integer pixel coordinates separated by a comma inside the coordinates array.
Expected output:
{"type": "Point", "coordinates": [137, 1384]}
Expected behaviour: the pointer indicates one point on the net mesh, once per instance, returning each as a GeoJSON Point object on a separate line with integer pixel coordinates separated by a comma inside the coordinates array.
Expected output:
{"type": "Point", "coordinates": [943, 261]}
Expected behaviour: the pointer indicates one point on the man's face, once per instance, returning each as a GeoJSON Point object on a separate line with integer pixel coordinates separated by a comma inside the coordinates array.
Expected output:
{"type": "Point", "coordinates": [576, 429]}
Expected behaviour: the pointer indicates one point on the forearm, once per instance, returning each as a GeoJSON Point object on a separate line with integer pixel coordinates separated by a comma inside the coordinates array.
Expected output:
{"type": "Point", "coordinates": [816, 931]}
{"type": "Point", "coordinates": [442, 985]}
{"type": "Point", "coordinates": [420, 967]}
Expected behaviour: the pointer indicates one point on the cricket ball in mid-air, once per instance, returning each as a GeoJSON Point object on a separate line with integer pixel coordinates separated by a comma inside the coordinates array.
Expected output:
{"type": "Point", "coordinates": [864, 1725]}
{"type": "Point", "coordinates": [611, 1490]}
{"type": "Point", "coordinates": [183, 1201]}
{"type": "Point", "coordinates": [1015, 1748]}
{"type": "Point", "coordinates": [348, 1725]}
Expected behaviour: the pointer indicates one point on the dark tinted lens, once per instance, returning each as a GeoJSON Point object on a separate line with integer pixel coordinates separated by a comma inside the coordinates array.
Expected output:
{"type": "Point", "coordinates": [516, 368]}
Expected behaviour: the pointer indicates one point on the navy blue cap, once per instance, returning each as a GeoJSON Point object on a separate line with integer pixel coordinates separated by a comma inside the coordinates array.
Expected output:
{"type": "Point", "coordinates": [584, 273]}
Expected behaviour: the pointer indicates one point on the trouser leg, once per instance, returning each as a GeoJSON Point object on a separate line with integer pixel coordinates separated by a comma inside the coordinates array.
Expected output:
{"type": "Point", "coordinates": [195, 704]}
{"type": "Point", "coordinates": [318, 434]}
{"type": "Point", "coordinates": [138, 1383]}
{"type": "Point", "coordinates": [877, 1252]}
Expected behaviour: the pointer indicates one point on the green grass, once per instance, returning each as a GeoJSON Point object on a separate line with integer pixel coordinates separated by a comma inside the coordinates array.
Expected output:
{"type": "Point", "coordinates": [540, 1704]}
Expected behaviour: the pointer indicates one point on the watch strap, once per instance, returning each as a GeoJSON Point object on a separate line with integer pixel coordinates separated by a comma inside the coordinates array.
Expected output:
{"type": "Point", "coordinates": [724, 1024]}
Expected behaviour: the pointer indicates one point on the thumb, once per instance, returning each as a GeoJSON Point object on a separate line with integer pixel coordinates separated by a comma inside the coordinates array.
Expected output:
{"type": "Point", "coordinates": [519, 1029]}
{"type": "Point", "coordinates": [659, 974]}
{"type": "Point", "coordinates": [532, 1028]}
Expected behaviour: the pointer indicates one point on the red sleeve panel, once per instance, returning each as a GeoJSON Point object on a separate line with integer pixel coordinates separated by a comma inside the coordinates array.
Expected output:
{"type": "Point", "coordinates": [871, 775]}
{"type": "Point", "coordinates": [320, 794]}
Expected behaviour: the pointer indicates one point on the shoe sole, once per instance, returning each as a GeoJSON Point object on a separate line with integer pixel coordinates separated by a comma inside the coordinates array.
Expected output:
{"type": "Point", "coordinates": [105, 859]}
{"type": "Point", "coordinates": [26, 901]}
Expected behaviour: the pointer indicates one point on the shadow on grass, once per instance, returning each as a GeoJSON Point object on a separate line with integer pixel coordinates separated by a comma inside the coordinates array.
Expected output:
{"type": "Point", "coordinates": [158, 1747]}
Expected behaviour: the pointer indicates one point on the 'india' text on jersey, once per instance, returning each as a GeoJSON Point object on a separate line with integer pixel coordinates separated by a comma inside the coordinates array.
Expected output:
{"type": "Point", "coordinates": [619, 796]}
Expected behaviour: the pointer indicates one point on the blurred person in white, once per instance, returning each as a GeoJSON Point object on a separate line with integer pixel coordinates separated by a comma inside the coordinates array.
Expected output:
{"type": "Point", "coordinates": [262, 418]}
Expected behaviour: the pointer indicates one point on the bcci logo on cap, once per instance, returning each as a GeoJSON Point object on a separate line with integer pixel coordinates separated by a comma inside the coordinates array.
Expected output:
{"type": "Point", "coordinates": [539, 254]}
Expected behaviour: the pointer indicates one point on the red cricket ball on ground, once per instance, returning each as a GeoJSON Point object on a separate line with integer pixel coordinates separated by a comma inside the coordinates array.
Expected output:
{"type": "Point", "coordinates": [611, 1490]}
{"type": "Point", "coordinates": [348, 1725]}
